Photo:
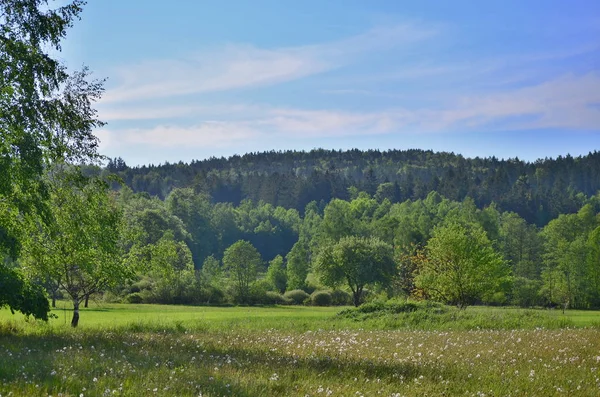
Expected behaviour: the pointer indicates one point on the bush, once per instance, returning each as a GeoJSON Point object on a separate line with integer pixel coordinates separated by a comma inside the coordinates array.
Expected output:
{"type": "Point", "coordinates": [340, 298]}
{"type": "Point", "coordinates": [298, 296]}
{"type": "Point", "coordinates": [212, 294]}
{"type": "Point", "coordinates": [258, 293]}
{"type": "Point", "coordinates": [140, 285]}
{"type": "Point", "coordinates": [381, 308]}
{"type": "Point", "coordinates": [111, 297]}
{"type": "Point", "coordinates": [134, 298]}
{"type": "Point", "coordinates": [321, 298]}
{"type": "Point", "coordinates": [495, 299]}
{"type": "Point", "coordinates": [275, 298]}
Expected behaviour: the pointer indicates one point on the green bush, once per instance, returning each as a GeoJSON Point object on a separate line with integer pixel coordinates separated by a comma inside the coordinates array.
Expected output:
{"type": "Point", "coordinates": [525, 292]}
{"type": "Point", "coordinates": [134, 298]}
{"type": "Point", "coordinates": [495, 299]}
{"type": "Point", "coordinates": [340, 298]}
{"type": "Point", "coordinates": [298, 296]}
{"type": "Point", "coordinates": [381, 308]}
{"type": "Point", "coordinates": [275, 298]}
{"type": "Point", "coordinates": [212, 295]}
{"type": "Point", "coordinates": [111, 297]}
{"type": "Point", "coordinates": [321, 298]}
{"type": "Point", "coordinates": [140, 285]}
{"type": "Point", "coordinates": [258, 293]}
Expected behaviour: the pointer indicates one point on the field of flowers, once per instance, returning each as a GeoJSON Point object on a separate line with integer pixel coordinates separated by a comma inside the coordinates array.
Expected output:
{"type": "Point", "coordinates": [139, 359]}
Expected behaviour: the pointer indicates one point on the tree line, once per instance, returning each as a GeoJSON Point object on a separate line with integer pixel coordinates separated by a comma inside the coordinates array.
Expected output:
{"type": "Point", "coordinates": [538, 191]}
{"type": "Point", "coordinates": [185, 249]}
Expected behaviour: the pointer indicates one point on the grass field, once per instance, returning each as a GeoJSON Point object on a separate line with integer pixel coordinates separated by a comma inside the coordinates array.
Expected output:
{"type": "Point", "coordinates": [136, 350]}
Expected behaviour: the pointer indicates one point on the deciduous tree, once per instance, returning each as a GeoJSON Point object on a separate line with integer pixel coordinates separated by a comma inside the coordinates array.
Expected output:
{"type": "Point", "coordinates": [242, 260]}
{"type": "Point", "coordinates": [357, 262]}
{"type": "Point", "coordinates": [46, 116]}
{"type": "Point", "coordinates": [81, 248]}
{"type": "Point", "coordinates": [460, 265]}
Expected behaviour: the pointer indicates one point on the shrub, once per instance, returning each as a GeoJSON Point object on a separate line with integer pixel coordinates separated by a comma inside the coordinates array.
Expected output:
{"type": "Point", "coordinates": [140, 285]}
{"type": "Point", "coordinates": [340, 298]}
{"type": "Point", "coordinates": [298, 296]}
{"type": "Point", "coordinates": [321, 298]}
{"type": "Point", "coordinates": [525, 292]}
{"type": "Point", "coordinates": [258, 293]}
{"type": "Point", "coordinates": [111, 297]}
{"type": "Point", "coordinates": [212, 294]}
{"type": "Point", "coordinates": [134, 298]}
{"type": "Point", "coordinates": [495, 299]}
{"type": "Point", "coordinates": [275, 298]}
{"type": "Point", "coordinates": [381, 308]}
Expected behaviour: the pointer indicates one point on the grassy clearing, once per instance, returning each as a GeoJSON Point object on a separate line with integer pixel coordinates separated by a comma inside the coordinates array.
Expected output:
{"type": "Point", "coordinates": [130, 350]}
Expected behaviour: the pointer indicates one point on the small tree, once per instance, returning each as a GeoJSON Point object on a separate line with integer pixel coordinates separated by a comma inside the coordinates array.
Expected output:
{"type": "Point", "coordinates": [211, 270]}
{"type": "Point", "coordinates": [297, 266]}
{"type": "Point", "coordinates": [242, 260]}
{"type": "Point", "coordinates": [46, 116]}
{"type": "Point", "coordinates": [555, 289]}
{"type": "Point", "coordinates": [276, 274]}
{"type": "Point", "coordinates": [358, 262]}
{"type": "Point", "coordinates": [81, 248]}
{"type": "Point", "coordinates": [171, 269]}
{"type": "Point", "coordinates": [460, 265]}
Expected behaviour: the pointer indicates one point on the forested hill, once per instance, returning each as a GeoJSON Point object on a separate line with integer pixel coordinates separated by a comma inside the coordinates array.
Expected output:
{"type": "Point", "coordinates": [538, 191]}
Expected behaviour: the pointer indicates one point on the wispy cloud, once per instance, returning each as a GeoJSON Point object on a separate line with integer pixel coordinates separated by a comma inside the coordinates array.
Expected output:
{"type": "Point", "coordinates": [570, 101]}
{"type": "Point", "coordinates": [242, 66]}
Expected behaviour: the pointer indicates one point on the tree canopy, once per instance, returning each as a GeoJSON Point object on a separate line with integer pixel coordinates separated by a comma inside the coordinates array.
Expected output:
{"type": "Point", "coordinates": [357, 262]}
{"type": "Point", "coordinates": [81, 249]}
{"type": "Point", "coordinates": [46, 117]}
{"type": "Point", "coordinates": [459, 265]}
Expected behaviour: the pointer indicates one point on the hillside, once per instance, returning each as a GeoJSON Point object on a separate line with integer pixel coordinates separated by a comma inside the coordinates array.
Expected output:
{"type": "Point", "coordinates": [538, 191]}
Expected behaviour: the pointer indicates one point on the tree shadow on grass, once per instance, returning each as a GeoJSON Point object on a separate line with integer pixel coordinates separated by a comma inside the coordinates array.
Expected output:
{"type": "Point", "coordinates": [36, 356]}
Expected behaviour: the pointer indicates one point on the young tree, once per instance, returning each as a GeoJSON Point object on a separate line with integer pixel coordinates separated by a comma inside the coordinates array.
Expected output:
{"type": "Point", "coordinates": [211, 270]}
{"type": "Point", "coordinates": [276, 274]}
{"type": "Point", "coordinates": [567, 251]}
{"type": "Point", "coordinates": [242, 260]}
{"type": "Point", "coordinates": [46, 116]}
{"type": "Point", "coordinates": [460, 265]}
{"type": "Point", "coordinates": [297, 266]}
{"type": "Point", "coordinates": [81, 248]}
{"type": "Point", "coordinates": [358, 262]}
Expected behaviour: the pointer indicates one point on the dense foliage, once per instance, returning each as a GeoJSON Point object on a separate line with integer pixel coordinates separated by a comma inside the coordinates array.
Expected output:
{"type": "Point", "coordinates": [46, 117]}
{"type": "Point", "coordinates": [537, 191]}
{"type": "Point", "coordinates": [189, 249]}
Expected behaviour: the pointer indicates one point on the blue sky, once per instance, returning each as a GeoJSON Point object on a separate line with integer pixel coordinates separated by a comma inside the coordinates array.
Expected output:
{"type": "Point", "coordinates": [193, 79]}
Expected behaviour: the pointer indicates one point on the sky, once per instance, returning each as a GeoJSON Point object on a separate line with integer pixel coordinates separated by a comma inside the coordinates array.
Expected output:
{"type": "Point", "coordinates": [193, 79]}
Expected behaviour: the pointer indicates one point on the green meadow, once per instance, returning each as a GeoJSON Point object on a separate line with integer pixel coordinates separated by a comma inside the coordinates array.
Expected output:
{"type": "Point", "coordinates": [134, 350]}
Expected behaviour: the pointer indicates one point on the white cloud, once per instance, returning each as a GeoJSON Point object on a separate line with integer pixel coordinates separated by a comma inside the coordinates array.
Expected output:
{"type": "Point", "coordinates": [567, 102]}
{"type": "Point", "coordinates": [206, 134]}
{"type": "Point", "coordinates": [243, 66]}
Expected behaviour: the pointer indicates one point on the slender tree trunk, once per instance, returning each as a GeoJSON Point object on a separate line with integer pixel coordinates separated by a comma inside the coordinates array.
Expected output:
{"type": "Point", "coordinates": [75, 320]}
{"type": "Point", "coordinates": [87, 298]}
{"type": "Point", "coordinates": [53, 298]}
{"type": "Point", "coordinates": [357, 295]}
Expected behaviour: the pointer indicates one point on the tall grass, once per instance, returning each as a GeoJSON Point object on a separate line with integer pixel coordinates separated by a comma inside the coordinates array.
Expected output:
{"type": "Point", "coordinates": [385, 350]}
